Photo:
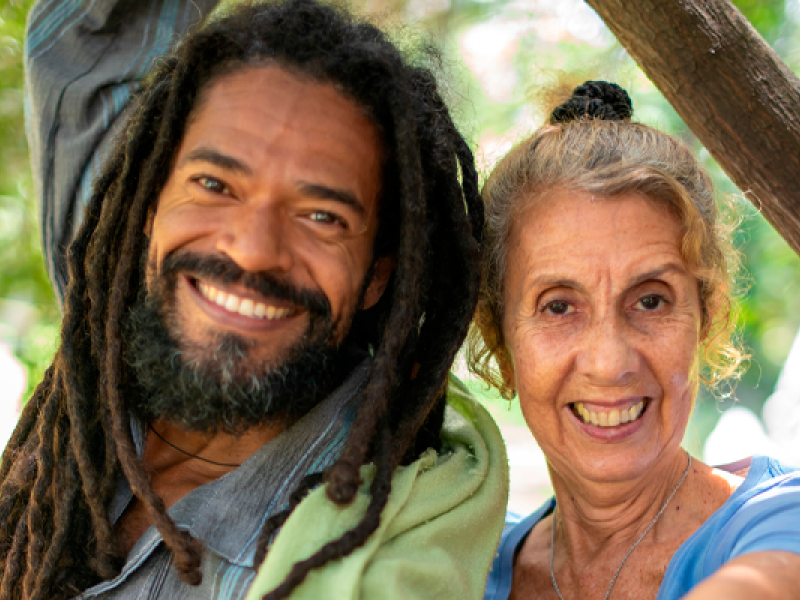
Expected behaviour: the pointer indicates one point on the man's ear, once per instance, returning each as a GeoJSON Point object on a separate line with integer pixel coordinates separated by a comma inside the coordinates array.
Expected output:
{"type": "Point", "coordinates": [380, 278]}
{"type": "Point", "coordinates": [148, 224]}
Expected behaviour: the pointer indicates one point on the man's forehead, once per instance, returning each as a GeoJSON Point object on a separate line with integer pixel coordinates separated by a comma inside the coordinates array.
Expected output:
{"type": "Point", "coordinates": [275, 74]}
{"type": "Point", "coordinates": [278, 94]}
{"type": "Point", "coordinates": [267, 124]}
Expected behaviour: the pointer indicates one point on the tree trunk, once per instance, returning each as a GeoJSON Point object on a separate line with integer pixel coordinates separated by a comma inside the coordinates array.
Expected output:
{"type": "Point", "coordinates": [730, 88]}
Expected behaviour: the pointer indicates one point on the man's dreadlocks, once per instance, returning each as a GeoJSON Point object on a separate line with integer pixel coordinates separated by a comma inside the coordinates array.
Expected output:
{"type": "Point", "coordinates": [59, 472]}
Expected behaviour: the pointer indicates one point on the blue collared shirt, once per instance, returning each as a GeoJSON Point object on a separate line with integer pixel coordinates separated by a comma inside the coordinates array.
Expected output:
{"type": "Point", "coordinates": [228, 514]}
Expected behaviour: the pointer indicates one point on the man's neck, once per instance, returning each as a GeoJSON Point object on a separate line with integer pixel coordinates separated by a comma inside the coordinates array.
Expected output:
{"type": "Point", "coordinates": [179, 461]}
{"type": "Point", "coordinates": [202, 457]}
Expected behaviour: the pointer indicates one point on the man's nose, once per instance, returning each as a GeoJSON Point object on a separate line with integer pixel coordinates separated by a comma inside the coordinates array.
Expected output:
{"type": "Point", "coordinates": [608, 354]}
{"type": "Point", "coordinates": [258, 239]}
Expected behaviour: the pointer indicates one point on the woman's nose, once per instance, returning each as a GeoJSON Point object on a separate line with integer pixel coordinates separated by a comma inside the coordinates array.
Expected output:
{"type": "Point", "coordinates": [258, 239]}
{"type": "Point", "coordinates": [608, 355]}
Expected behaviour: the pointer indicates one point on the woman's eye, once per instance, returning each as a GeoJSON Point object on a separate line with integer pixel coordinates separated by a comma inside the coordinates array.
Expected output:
{"type": "Point", "coordinates": [558, 307]}
{"type": "Point", "coordinates": [213, 185]}
{"type": "Point", "coordinates": [651, 302]}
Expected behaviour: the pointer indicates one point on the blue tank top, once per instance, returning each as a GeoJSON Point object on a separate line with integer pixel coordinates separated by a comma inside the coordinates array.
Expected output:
{"type": "Point", "coordinates": [762, 514]}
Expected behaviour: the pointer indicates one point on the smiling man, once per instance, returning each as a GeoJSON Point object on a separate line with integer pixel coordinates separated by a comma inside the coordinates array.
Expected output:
{"type": "Point", "coordinates": [275, 268]}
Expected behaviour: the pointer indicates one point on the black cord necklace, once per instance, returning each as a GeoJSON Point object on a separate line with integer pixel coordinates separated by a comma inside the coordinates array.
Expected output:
{"type": "Point", "coordinates": [182, 451]}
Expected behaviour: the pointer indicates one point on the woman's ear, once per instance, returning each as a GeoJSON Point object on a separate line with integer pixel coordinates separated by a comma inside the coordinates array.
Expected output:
{"type": "Point", "coordinates": [705, 324]}
{"type": "Point", "coordinates": [381, 273]}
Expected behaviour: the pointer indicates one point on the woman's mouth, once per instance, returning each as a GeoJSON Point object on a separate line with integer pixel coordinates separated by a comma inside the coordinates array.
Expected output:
{"type": "Point", "coordinates": [612, 417]}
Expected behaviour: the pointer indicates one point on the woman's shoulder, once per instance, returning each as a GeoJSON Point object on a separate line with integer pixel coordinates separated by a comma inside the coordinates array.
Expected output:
{"type": "Point", "coordinates": [516, 530]}
{"type": "Point", "coordinates": [766, 468]}
{"type": "Point", "coordinates": [767, 503]}
{"type": "Point", "coordinates": [763, 513]}
{"type": "Point", "coordinates": [770, 487]}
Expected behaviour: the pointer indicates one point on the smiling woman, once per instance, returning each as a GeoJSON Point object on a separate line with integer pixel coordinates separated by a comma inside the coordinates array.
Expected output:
{"type": "Point", "coordinates": [605, 300]}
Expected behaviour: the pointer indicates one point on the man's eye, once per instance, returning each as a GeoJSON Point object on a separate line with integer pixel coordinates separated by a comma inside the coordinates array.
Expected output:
{"type": "Point", "coordinates": [558, 307]}
{"type": "Point", "coordinates": [213, 185]}
{"type": "Point", "coordinates": [651, 302]}
{"type": "Point", "coordinates": [326, 218]}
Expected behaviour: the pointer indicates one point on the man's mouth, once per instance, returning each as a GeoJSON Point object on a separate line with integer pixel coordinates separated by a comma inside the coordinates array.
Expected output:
{"type": "Point", "coordinates": [611, 417]}
{"type": "Point", "coordinates": [242, 306]}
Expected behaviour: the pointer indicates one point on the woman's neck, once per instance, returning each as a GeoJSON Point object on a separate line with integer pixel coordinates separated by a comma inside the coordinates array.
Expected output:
{"type": "Point", "coordinates": [596, 516]}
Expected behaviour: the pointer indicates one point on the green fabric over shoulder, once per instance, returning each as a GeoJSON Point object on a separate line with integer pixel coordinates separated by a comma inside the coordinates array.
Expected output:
{"type": "Point", "coordinates": [438, 532]}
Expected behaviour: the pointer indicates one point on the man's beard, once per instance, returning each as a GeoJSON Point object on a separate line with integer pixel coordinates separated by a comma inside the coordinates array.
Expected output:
{"type": "Point", "coordinates": [219, 386]}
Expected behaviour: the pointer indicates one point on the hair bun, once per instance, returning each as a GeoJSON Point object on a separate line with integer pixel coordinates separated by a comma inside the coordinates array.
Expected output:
{"type": "Point", "coordinates": [595, 100]}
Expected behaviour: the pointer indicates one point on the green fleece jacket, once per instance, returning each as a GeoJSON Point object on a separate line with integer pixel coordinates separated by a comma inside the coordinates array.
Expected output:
{"type": "Point", "coordinates": [438, 532]}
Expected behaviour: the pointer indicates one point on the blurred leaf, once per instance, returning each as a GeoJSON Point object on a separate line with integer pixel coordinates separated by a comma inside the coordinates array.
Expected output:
{"type": "Point", "coordinates": [22, 273]}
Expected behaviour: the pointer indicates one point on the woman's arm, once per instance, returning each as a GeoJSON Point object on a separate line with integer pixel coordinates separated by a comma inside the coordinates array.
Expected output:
{"type": "Point", "coordinates": [764, 575]}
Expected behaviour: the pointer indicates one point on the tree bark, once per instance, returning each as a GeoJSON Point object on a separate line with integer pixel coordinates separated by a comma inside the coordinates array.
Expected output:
{"type": "Point", "coordinates": [730, 88]}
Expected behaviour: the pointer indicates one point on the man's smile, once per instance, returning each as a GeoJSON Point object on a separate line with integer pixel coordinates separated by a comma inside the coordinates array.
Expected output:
{"type": "Point", "coordinates": [241, 305]}
{"type": "Point", "coordinates": [238, 308]}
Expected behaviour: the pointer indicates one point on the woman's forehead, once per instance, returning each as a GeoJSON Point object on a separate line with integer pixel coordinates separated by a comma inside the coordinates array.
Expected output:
{"type": "Point", "coordinates": [578, 230]}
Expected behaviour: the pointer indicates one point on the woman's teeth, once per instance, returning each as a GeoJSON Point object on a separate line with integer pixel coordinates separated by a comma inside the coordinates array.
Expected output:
{"type": "Point", "coordinates": [611, 418]}
{"type": "Point", "coordinates": [242, 306]}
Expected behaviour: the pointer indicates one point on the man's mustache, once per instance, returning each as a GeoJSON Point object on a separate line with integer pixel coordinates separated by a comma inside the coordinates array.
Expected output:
{"type": "Point", "coordinates": [225, 271]}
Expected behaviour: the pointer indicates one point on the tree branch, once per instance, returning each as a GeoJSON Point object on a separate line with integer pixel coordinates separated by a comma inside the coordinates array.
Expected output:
{"type": "Point", "coordinates": [730, 88]}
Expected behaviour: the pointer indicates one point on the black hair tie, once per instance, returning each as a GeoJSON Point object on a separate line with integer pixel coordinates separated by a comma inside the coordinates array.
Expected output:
{"type": "Point", "coordinates": [595, 100]}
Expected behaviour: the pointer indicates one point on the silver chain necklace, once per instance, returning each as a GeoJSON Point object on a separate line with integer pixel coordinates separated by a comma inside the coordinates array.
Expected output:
{"type": "Point", "coordinates": [632, 548]}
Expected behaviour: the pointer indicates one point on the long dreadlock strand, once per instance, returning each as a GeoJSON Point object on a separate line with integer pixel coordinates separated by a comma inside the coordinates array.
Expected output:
{"type": "Point", "coordinates": [276, 521]}
{"type": "Point", "coordinates": [409, 271]}
{"type": "Point", "coordinates": [126, 177]}
{"type": "Point", "coordinates": [80, 432]}
{"type": "Point", "coordinates": [358, 535]}
{"type": "Point", "coordinates": [450, 316]}
{"type": "Point", "coordinates": [186, 549]}
{"type": "Point", "coordinates": [66, 487]}
{"type": "Point", "coordinates": [13, 563]}
{"type": "Point", "coordinates": [39, 500]}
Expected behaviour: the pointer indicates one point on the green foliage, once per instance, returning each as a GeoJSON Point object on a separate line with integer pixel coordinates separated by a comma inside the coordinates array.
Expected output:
{"type": "Point", "coordinates": [28, 313]}
{"type": "Point", "coordinates": [767, 16]}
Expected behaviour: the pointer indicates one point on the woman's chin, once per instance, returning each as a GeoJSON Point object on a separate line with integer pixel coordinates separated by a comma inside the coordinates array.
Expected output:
{"type": "Point", "coordinates": [622, 452]}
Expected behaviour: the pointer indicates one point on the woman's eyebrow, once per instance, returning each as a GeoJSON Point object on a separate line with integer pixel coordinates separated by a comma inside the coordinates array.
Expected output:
{"type": "Point", "coordinates": [549, 280]}
{"type": "Point", "coordinates": [656, 273]}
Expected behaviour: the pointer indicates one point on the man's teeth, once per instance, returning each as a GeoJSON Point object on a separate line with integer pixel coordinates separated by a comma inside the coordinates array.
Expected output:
{"type": "Point", "coordinates": [611, 418]}
{"type": "Point", "coordinates": [243, 306]}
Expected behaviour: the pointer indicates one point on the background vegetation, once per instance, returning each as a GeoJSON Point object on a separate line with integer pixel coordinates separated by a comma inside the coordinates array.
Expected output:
{"type": "Point", "coordinates": [503, 60]}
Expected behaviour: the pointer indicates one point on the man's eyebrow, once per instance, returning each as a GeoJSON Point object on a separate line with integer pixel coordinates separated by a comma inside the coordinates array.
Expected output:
{"type": "Point", "coordinates": [223, 161]}
{"type": "Point", "coordinates": [325, 192]}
